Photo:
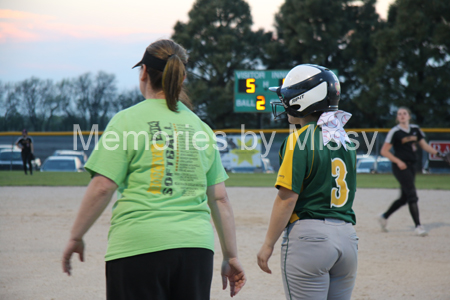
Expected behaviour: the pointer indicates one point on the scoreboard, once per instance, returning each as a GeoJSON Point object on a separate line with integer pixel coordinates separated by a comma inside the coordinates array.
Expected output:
{"type": "Point", "coordinates": [251, 90]}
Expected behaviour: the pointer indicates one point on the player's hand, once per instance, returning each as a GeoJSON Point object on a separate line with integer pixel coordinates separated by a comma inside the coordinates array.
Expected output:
{"type": "Point", "coordinates": [401, 165]}
{"type": "Point", "coordinates": [444, 157]}
{"type": "Point", "coordinates": [73, 246]}
{"type": "Point", "coordinates": [263, 257]}
{"type": "Point", "coordinates": [233, 272]}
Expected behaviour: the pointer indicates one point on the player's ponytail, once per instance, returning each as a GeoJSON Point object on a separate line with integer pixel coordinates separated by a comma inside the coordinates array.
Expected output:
{"type": "Point", "coordinates": [172, 80]}
{"type": "Point", "coordinates": [170, 77]}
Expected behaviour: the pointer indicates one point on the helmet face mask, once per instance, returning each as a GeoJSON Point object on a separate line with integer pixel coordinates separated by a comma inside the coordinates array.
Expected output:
{"type": "Point", "coordinates": [277, 115]}
{"type": "Point", "coordinates": [307, 89]}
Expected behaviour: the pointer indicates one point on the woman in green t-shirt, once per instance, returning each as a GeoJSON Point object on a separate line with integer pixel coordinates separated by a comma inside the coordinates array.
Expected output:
{"type": "Point", "coordinates": [170, 182]}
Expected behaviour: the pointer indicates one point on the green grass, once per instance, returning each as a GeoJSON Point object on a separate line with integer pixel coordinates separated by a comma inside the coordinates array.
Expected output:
{"type": "Point", "coordinates": [17, 178]}
{"type": "Point", "coordinates": [252, 180]}
{"type": "Point", "coordinates": [386, 181]}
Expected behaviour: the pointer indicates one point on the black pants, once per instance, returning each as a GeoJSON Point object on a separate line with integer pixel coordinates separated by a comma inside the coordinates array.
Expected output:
{"type": "Point", "coordinates": [406, 178]}
{"type": "Point", "coordinates": [26, 158]}
{"type": "Point", "coordinates": [175, 274]}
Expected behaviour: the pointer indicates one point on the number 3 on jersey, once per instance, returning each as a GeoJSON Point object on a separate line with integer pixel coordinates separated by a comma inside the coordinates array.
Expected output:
{"type": "Point", "coordinates": [339, 194]}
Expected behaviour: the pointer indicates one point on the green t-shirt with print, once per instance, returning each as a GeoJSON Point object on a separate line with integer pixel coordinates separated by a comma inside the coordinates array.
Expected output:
{"type": "Point", "coordinates": [162, 162]}
{"type": "Point", "coordinates": [323, 176]}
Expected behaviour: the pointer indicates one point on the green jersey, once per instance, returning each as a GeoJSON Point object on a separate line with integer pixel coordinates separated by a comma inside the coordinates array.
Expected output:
{"type": "Point", "coordinates": [163, 162]}
{"type": "Point", "coordinates": [323, 176]}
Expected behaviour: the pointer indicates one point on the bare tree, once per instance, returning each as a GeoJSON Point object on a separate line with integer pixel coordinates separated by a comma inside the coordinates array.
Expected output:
{"type": "Point", "coordinates": [103, 96]}
{"type": "Point", "coordinates": [50, 105]}
{"type": "Point", "coordinates": [32, 94]}
{"type": "Point", "coordinates": [70, 113]}
{"type": "Point", "coordinates": [82, 88]}
{"type": "Point", "coordinates": [126, 99]}
{"type": "Point", "coordinates": [94, 97]}
{"type": "Point", "coordinates": [10, 107]}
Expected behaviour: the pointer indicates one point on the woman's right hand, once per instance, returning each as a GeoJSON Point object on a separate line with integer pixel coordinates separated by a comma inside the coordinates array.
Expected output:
{"type": "Point", "coordinates": [73, 246]}
{"type": "Point", "coordinates": [401, 165]}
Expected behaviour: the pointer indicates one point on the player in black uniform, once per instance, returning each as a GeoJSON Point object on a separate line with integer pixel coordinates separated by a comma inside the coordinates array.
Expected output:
{"type": "Point", "coordinates": [403, 138]}
{"type": "Point", "coordinates": [26, 144]}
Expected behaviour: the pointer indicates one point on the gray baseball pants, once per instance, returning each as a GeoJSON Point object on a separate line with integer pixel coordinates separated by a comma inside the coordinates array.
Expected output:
{"type": "Point", "coordinates": [319, 260]}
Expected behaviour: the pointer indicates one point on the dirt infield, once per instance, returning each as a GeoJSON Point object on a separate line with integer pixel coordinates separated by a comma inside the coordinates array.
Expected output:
{"type": "Point", "coordinates": [35, 224]}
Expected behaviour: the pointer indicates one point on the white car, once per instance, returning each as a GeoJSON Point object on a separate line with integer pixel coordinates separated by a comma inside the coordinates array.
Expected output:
{"type": "Point", "coordinates": [384, 165]}
{"type": "Point", "coordinates": [62, 164]}
{"type": "Point", "coordinates": [363, 156]}
{"type": "Point", "coordinates": [80, 154]}
{"type": "Point", "coordinates": [11, 159]}
{"type": "Point", "coordinates": [366, 165]}
{"type": "Point", "coordinates": [8, 147]}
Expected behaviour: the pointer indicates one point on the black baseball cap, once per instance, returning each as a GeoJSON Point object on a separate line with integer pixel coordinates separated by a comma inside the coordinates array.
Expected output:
{"type": "Point", "coordinates": [153, 62]}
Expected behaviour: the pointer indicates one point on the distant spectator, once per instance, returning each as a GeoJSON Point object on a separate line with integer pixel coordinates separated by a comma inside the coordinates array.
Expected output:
{"type": "Point", "coordinates": [26, 144]}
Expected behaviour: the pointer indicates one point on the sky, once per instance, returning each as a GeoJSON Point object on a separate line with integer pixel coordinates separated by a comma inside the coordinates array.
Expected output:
{"type": "Point", "coordinates": [54, 39]}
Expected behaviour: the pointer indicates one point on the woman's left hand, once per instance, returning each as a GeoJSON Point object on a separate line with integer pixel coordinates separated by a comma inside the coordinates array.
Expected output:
{"type": "Point", "coordinates": [73, 246]}
{"type": "Point", "coordinates": [233, 271]}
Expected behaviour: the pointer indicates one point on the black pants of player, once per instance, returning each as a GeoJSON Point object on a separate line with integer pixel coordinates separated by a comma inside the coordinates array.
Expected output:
{"type": "Point", "coordinates": [26, 159]}
{"type": "Point", "coordinates": [406, 178]}
{"type": "Point", "coordinates": [175, 274]}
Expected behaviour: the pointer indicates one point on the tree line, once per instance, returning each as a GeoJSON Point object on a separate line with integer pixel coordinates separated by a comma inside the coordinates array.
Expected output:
{"type": "Point", "coordinates": [382, 64]}
{"type": "Point", "coordinates": [44, 105]}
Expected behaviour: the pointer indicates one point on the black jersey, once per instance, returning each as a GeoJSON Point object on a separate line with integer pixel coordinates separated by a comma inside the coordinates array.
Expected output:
{"type": "Point", "coordinates": [25, 143]}
{"type": "Point", "coordinates": [404, 141]}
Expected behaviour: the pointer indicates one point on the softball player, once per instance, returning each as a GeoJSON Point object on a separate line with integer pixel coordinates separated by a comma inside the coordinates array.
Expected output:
{"type": "Point", "coordinates": [25, 143]}
{"type": "Point", "coordinates": [316, 188]}
{"type": "Point", "coordinates": [403, 139]}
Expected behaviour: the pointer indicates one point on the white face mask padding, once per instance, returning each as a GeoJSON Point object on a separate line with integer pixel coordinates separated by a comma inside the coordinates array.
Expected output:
{"type": "Point", "coordinates": [310, 97]}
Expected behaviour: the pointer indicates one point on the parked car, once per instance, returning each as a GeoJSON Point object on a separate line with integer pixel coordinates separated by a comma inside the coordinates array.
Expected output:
{"type": "Point", "coordinates": [384, 165]}
{"type": "Point", "coordinates": [11, 159]}
{"type": "Point", "coordinates": [366, 165]}
{"type": "Point", "coordinates": [62, 164]}
{"type": "Point", "coordinates": [8, 146]}
{"type": "Point", "coordinates": [363, 156]}
{"type": "Point", "coordinates": [80, 154]}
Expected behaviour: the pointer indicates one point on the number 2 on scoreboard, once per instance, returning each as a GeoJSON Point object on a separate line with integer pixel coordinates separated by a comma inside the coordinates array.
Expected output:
{"type": "Point", "coordinates": [260, 102]}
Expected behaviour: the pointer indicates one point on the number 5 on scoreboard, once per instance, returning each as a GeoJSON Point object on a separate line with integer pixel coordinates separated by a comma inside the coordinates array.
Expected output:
{"type": "Point", "coordinates": [260, 102]}
{"type": "Point", "coordinates": [250, 84]}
